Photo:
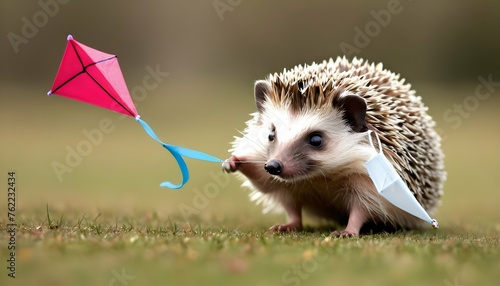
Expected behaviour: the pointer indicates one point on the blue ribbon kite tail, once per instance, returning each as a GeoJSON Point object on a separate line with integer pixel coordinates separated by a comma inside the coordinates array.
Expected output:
{"type": "Point", "coordinates": [178, 152]}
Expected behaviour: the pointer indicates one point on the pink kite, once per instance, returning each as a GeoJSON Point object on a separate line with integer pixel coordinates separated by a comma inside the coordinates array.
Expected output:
{"type": "Point", "coordinates": [94, 77]}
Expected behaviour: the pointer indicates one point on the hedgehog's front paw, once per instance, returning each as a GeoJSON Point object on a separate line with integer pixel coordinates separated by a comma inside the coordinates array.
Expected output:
{"type": "Point", "coordinates": [286, 227]}
{"type": "Point", "coordinates": [231, 164]}
{"type": "Point", "coordinates": [344, 234]}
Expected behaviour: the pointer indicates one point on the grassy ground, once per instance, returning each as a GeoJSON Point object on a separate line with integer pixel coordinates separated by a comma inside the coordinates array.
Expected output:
{"type": "Point", "coordinates": [108, 223]}
{"type": "Point", "coordinates": [147, 250]}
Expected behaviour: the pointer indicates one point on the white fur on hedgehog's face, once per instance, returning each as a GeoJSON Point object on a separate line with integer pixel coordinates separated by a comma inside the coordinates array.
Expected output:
{"type": "Point", "coordinates": [309, 143]}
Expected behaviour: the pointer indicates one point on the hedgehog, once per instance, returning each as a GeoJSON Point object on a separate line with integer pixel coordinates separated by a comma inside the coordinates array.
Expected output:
{"type": "Point", "coordinates": [306, 146]}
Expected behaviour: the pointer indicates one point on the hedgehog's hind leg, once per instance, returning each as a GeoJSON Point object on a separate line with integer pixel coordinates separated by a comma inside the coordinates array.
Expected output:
{"type": "Point", "coordinates": [294, 213]}
{"type": "Point", "coordinates": [357, 217]}
{"type": "Point", "coordinates": [361, 200]}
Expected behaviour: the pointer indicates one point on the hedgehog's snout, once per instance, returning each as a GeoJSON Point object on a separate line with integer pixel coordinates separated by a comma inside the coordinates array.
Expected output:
{"type": "Point", "coordinates": [274, 167]}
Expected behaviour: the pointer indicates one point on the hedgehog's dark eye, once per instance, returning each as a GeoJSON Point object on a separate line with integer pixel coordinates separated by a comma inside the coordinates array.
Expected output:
{"type": "Point", "coordinates": [316, 140]}
{"type": "Point", "coordinates": [272, 135]}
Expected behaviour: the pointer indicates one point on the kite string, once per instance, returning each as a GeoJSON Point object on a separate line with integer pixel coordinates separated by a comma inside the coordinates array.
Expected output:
{"type": "Point", "coordinates": [177, 152]}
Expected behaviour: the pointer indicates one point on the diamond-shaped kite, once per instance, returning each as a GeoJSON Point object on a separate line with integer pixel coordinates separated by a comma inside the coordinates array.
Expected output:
{"type": "Point", "coordinates": [95, 77]}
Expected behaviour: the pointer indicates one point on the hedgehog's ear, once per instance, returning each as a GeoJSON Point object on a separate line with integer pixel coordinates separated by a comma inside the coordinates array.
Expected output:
{"type": "Point", "coordinates": [261, 88]}
{"type": "Point", "coordinates": [354, 112]}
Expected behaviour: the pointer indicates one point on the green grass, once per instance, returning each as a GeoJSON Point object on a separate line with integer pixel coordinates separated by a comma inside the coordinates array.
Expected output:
{"type": "Point", "coordinates": [109, 217]}
{"type": "Point", "coordinates": [90, 250]}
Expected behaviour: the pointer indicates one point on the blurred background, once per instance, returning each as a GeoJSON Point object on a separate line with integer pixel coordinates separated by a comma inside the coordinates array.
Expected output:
{"type": "Point", "coordinates": [204, 57]}
{"type": "Point", "coordinates": [200, 59]}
